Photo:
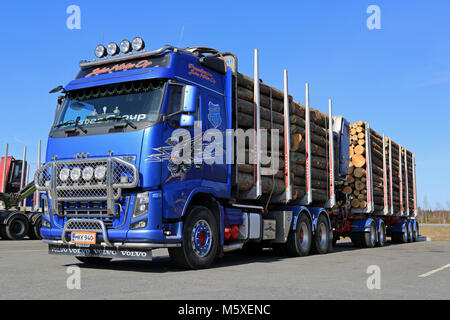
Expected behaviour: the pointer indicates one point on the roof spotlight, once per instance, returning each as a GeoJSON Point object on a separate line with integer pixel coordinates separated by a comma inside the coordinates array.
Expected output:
{"type": "Point", "coordinates": [113, 49]}
{"type": "Point", "coordinates": [138, 44]}
{"type": "Point", "coordinates": [100, 51]}
{"type": "Point", "coordinates": [125, 46]}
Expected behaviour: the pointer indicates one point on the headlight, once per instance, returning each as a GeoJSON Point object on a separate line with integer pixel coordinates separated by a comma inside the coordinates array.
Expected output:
{"type": "Point", "coordinates": [141, 205]}
{"type": "Point", "coordinates": [100, 172]}
{"type": "Point", "coordinates": [100, 51]}
{"type": "Point", "coordinates": [113, 49]}
{"type": "Point", "coordinates": [88, 173]}
{"type": "Point", "coordinates": [64, 174]}
{"type": "Point", "coordinates": [138, 44]}
{"type": "Point", "coordinates": [125, 46]}
{"type": "Point", "coordinates": [75, 174]}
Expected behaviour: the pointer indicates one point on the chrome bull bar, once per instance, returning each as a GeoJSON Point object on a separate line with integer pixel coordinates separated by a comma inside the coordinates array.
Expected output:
{"type": "Point", "coordinates": [119, 174]}
{"type": "Point", "coordinates": [90, 225]}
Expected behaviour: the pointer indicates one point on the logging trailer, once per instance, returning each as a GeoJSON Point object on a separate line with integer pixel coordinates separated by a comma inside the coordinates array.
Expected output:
{"type": "Point", "coordinates": [114, 187]}
{"type": "Point", "coordinates": [16, 224]}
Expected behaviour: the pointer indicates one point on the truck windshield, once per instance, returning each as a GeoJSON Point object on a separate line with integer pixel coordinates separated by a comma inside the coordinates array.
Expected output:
{"type": "Point", "coordinates": [128, 102]}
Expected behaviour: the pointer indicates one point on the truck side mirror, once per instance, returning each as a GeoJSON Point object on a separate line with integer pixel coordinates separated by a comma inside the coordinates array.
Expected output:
{"type": "Point", "coordinates": [189, 98]}
{"type": "Point", "coordinates": [187, 120]}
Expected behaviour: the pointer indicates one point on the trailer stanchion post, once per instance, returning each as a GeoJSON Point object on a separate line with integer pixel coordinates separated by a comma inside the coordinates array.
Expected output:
{"type": "Point", "coordinates": [400, 184]}
{"type": "Point", "coordinates": [22, 176]}
{"type": "Point", "coordinates": [385, 180]}
{"type": "Point", "coordinates": [38, 166]}
{"type": "Point", "coordinates": [257, 124]}
{"type": "Point", "coordinates": [406, 184]}
{"type": "Point", "coordinates": [414, 184]}
{"type": "Point", "coordinates": [391, 188]}
{"type": "Point", "coordinates": [308, 196]}
{"type": "Point", "coordinates": [332, 197]}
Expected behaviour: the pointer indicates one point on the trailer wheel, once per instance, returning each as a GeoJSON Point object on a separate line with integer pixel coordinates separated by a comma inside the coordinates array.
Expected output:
{"type": "Point", "coordinates": [370, 238]}
{"type": "Point", "coordinates": [17, 228]}
{"type": "Point", "coordinates": [410, 231]}
{"type": "Point", "coordinates": [200, 240]}
{"type": "Point", "coordinates": [300, 240]}
{"type": "Point", "coordinates": [415, 231]}
{"type": "Point", "coordinates": [94, 260]}
{"type": "Point", "coordinates": [382, 235]}
{"type": "Point", "coordinates": [35, 230]}
{"type": "Point", "coordinates": [321, 236]}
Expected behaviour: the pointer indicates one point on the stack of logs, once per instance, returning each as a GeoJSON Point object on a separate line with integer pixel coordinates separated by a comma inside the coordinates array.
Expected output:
{"type": "Point", "coordinates": [319, 154]}
{"type": "Point", "coordinates": [270, 99]}
{"type": "Point", "coordinates": [273, 99]}
{"type": "Point", "coordinates": [356, 181]}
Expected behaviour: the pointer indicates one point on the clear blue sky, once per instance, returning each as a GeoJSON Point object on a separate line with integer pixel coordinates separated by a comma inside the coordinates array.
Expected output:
{"type": "Point", "coordinates": [396, 78]}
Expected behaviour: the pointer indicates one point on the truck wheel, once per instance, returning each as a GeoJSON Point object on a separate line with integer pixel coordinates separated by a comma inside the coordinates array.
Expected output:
{"type": "Point", "coordinates": [17, 228]}
{"type": "Point", "coordinates": [35, 230]}
{"type": "Point", "coordinates": [200, 240]}
{"type": "Point", "coordinates": [321, 236]}
{"type": "Point", "coordinates": [300, 240]}
{"type": "Point", "coordinates": [410, 231]}
{"type": "Point", "coordinates": [370, 238]}
{"type": "Point", "coordinates": [93, 260]}
{"type": "Point", "coordinates": [415, 231]}
{"type": "Point", "coordinates": [381, 235]}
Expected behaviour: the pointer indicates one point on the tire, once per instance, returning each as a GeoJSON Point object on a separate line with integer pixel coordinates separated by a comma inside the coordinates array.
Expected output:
{"type": "Point", "coordinates": [94, 260]}
{"type": "Point", "coordinates": [17, 228]}
{"type": "Point", "coordinates": [200, 240]}
{"type": "Point", "coordinates": [416, 231]}
{"type": "Point", "coordinates": [382, 235]}
{"type": "Point", "coordinates": [370, 238]}
{"type": "Point", "coordinates": [321, 236]}
{"type": "Point", "coordinates": [408, 232]}
{"type": "Point", "coordinates": [35, 230]}
{"type": "Point", "coordinates": [300, 240]}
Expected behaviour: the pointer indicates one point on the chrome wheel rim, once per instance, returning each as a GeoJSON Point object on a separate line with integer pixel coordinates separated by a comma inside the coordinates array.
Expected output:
{"type": "Point", "coordinates": [372, 235]}
{"type": "Point", "coordinates": [201, 238]}
{"type": "Point", "coordinates": [322, 234]}
{"type": "Point", "coordinates": [303, 235]}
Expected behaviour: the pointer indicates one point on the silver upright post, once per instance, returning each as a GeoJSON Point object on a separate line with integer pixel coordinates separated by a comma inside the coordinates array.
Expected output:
{"type": "Point", "coordinates": [332, 199]}
{"type": "Point", "coordinates": [38, 166]}
{"type": "Point", "coordinates": [287, 140]}
{"type": "Point", "coordinates": [22, 176]}
{"type": "Point", "coordinates": [256, 99]}
{"type": "Point", "coordinates": [308, 197]}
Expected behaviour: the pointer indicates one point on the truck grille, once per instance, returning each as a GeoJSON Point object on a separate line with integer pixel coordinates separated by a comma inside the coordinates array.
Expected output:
{"type": "Point", "coordinates": [59, 180]}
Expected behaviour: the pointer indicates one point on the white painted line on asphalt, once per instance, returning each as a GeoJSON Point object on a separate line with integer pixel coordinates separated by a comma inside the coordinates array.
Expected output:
{"type": "Point", "coordinates": [434, 271]}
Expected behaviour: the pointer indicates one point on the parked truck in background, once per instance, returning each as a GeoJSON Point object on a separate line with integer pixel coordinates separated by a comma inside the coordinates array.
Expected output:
{"type": "Point", "coordinates": [16, 224]}
{"type": "Point", "coordinates": [113, 189]}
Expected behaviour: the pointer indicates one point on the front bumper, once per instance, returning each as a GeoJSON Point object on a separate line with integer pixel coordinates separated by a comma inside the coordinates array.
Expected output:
{"type": "Point", "coordinates": [123, 250]}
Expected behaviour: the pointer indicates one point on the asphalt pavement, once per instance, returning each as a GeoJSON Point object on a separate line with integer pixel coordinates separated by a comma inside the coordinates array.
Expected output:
{"type": "Point", "coordinates": [397, 271]}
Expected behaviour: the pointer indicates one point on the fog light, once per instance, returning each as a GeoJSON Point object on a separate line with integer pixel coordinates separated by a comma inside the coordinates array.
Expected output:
{"type": "Point", "coordinates": [125, 46]}
{"type": "Point", "coordinates": [46, 224]}
{"type": "Point", "coordinates": [139, 225]}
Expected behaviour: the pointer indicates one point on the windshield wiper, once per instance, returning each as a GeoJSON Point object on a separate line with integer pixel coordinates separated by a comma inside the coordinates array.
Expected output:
{"type": "Point", "coordinates": [65, 124]}
{"type": "Point", "coordinates": [76, 125]}
{"type": "Point", "coordinates": [117, 118]}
